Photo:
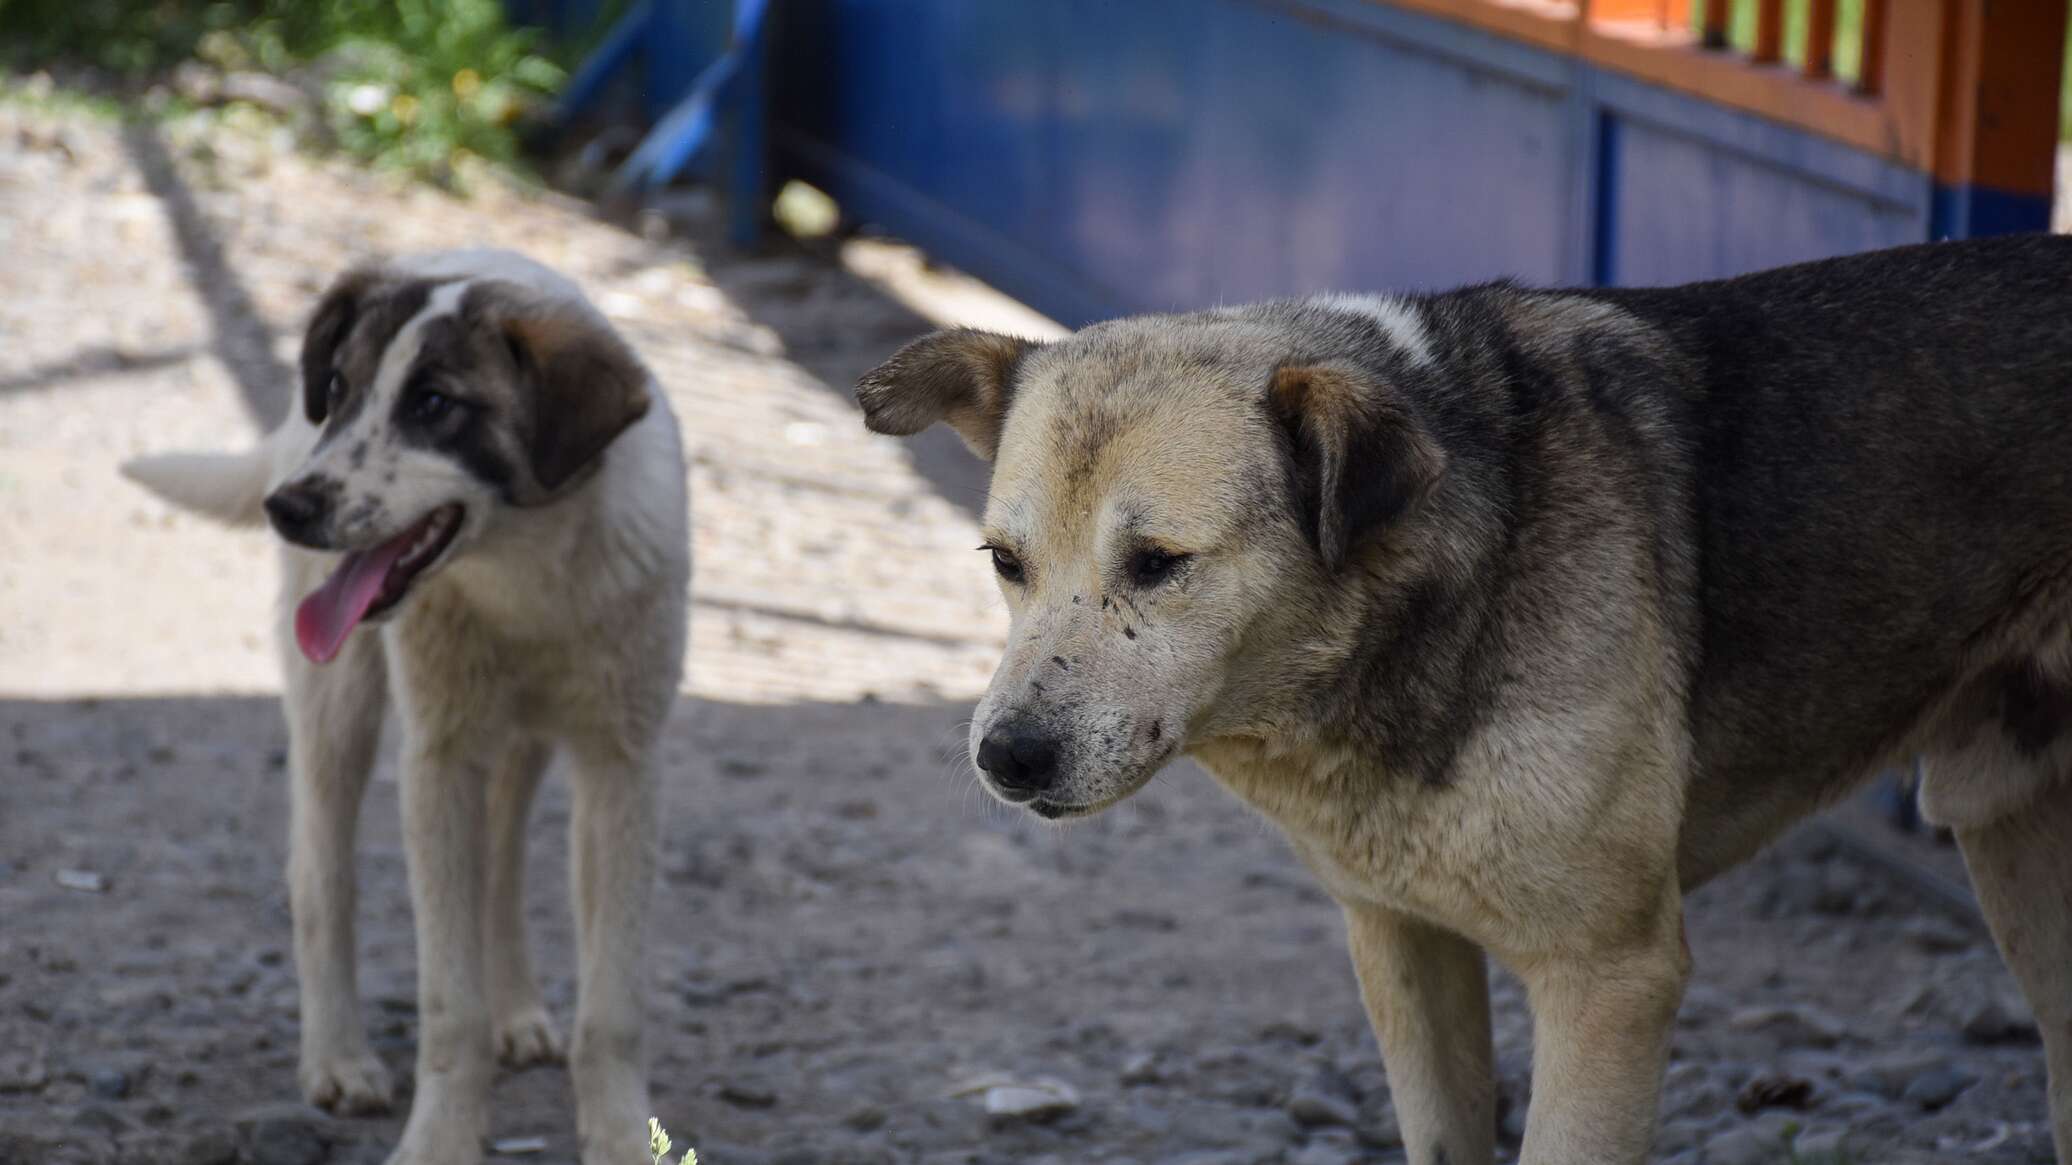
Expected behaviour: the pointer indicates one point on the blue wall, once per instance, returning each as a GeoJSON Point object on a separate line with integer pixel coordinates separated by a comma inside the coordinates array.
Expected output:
{"type": "Point", "coordinates": [1100, 156]}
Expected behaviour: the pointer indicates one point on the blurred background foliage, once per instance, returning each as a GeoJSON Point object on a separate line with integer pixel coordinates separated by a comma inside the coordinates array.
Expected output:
{"type": "Point", "coordinates": [419, 85]}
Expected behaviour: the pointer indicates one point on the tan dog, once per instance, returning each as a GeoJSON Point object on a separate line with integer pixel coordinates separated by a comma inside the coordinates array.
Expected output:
{"type": "Point", "coordinates": [484, 510]}
{"type": "Point", "coordinates": [1524, 612]}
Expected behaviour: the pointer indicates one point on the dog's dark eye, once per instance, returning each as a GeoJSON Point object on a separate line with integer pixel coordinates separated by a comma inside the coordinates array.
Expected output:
{"type": "Point", "coordinates": [429, 406]}
{"type": "Point", "coordinates": [1148, 568]}
{"type": "Point", "coordinates": [1004, 562]}
{"type": "Point", "coordinates": [334, 392]}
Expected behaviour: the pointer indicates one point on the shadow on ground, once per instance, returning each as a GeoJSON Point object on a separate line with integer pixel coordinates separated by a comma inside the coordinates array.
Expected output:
{"type": "Point", "coordinates": [845, 931]}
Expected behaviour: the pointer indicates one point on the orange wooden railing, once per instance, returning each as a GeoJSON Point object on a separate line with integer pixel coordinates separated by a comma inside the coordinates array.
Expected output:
{"type": "Point", "coordinates": [1932, 84]}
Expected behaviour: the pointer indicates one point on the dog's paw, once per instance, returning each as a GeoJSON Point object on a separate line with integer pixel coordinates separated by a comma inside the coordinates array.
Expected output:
{"type": "Point", "coordinates": [352, 1085]}
{"type": "Point", "coordinates": [528, 1038]}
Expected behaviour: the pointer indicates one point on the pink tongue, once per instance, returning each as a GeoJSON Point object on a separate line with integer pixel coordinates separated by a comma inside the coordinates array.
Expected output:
{"type": "Point", "coordinates": [331, 611]}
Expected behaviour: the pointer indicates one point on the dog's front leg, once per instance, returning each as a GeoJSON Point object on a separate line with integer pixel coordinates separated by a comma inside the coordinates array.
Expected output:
{"type": "Point", "coordinates": [334, 724]}
{"type": "Point", "coordinates": [1427, 993]}
{"type": "Point", "coordinates": [1601, 1024]}
{"type": "Point", "coordinates": [612, 848]}
{"type": "Point", "coordinates": [444, 802]}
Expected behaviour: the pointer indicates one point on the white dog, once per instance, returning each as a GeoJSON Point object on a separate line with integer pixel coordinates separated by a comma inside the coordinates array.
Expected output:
{"type": "Point", "coordinates": [485, 481]}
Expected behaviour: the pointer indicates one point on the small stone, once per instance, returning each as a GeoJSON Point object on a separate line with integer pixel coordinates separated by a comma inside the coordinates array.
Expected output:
{"type": "Point", "coordinates": [1764, 1141]}
{"type": "Point", "coordinates": [1938, 936]}
{"type": "Point", "coordinates": [84, 881]}
{"type": "Point", "coordinates": [1155, 1123]}
{"type": "Point", "coordinates": [23, 1072]}
{"type": "Point", "coordinates": [1378, 1128]}
{"type": "Point", "coordinates": [1278, 1030]}
{"type": "Point", "coordinates": [1312, 1107]}
{"type": "Point", "coordinates": [1331, 1148]}
{"type": "Point", "coordinates": [18, 1148]}
{"type": "Point", "coordinates": [1923, 1000]}
{"type": "Point", "coordinates": [518, 1146]}
{"type": "Point", "coordinates": [1821, 1145]}
{"type": "Point", "coordinates": [1889, 1075]}
{"type": "Point", "coordinates": [1999, 1021]}
{"type": "Point", "coordinates": [1852, 1104]}
{"type": "Point", "coordinates": [104, 1122]}
{"type": "Point", "coordinates": [747, 1094]}
{"type": "Point", "coordinates": [1041, 1101]}
{"type": "Point", "coordinates": [1678, 1135]}
{"type": "Point", "coordinates": [216, 1146]}
{"type": "Point", "coordinates": [1840, 888]}
{"type": "Point", "coordinates": [1774, 1090]}
{"type": "Point", "coordinates": [869, 1118]}
{"type": "Point", "coordinates": [371, 1152]}
{"type": "Point", "coordinates": [1790, 1026]}
{"type": "Point", "coordinates": [1741, 1146]}
{"type": "Point", "coordinates": [1684, 1074]}
{"type": "Point", "coordinates": [284, 1134]}
{"type": "Point", "coordinates": [108, 1083]}
{"type": "Point", "coordinates": [1936, 1088]}
{"type": "Point", "coordinates": [1142, 1068]}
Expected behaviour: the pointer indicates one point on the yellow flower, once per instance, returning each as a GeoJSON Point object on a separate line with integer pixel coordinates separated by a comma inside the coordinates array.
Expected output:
{"type": "Point", "coordinates": [404, 107]}
{"type": "Point", "coordinates": [466, 84]}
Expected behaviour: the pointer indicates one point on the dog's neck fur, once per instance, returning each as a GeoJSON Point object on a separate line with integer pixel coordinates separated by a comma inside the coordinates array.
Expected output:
{"type": "Point", "coordinates": [620, 523]}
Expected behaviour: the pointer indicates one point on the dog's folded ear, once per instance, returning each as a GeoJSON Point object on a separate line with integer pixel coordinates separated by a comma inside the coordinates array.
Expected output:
{"type": "Point", "coordinates": [959, 376]}
{"type": "Point", "coordinates": [580, 385]}
{"type": "Point", "coordinates": [329, 325]}
{"type": "Point", "coordinates": [1359, 455]}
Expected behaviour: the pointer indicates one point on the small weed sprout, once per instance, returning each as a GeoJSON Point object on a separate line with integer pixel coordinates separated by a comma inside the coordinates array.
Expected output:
{"type": "Point", "coordinates": [658, 1145]}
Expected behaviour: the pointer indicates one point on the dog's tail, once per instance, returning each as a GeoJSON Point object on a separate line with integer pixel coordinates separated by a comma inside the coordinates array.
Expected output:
{"type": "Point", "coordinates": [229, 487]}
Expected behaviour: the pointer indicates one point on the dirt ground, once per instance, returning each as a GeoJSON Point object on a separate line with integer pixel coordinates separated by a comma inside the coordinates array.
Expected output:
{"type": "Point", "coordinates": [852, 941]}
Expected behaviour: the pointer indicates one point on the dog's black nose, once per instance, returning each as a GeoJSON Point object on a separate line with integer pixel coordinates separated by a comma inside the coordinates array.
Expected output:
{"type": "Point", "coordinates": [1022, 763]}
{"type": "Point", "coordinates": [296, 509]}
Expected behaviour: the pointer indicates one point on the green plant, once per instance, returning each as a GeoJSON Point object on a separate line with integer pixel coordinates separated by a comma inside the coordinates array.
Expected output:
{"type": "Point", "coordinates": [658, 1145]}
{"type": "Point", "coordinates": [412, 84]}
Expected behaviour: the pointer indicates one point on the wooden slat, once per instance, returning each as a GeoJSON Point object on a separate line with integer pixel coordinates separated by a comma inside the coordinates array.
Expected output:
{"type": "Point", "coordinates": [1769, 32]}
{"type": "Point", "coordinates": [1870, 74]}
{"type": "Point", "coordinates": [1712, 31]}
{"type": "Point", "coordinates": [1659, 14]}
{"type": "Point", "coordinates": [1550, 24]}
{"type": "Point", "coordinates": [1820, 39]}
{"type": "Point", "coordinates": [1910, 77]}
{"type": "Point", "coordinates": [1998, 104]}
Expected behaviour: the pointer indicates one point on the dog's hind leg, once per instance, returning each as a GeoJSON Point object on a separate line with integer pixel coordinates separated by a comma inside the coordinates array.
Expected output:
{"type": "Point", "coordinates": [524, 1032]}
{"type": "Point", "coordinates": [2021, 866]}
{"type": "Point", "coordinates": [1427, 993]}
{"type": "Point", "coordinates": [612, 848]}
{"type": "Point", "coordinates": [334, 723]}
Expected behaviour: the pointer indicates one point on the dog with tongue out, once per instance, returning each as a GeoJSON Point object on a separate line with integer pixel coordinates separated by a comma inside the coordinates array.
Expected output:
{"type": "Point", "coordinates": [483, 506]}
